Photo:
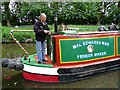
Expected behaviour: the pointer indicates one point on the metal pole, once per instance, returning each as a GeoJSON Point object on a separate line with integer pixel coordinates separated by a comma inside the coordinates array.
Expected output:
{"type": "Point", "coordinates": [18, 41]}
{"type": "Point", "coordinates": [22, 30]}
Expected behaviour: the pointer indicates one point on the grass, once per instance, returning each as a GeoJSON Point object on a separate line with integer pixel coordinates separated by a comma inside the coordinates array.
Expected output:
{"type": "Point", "coordinates": [87, 27]}
{"type": "Point", "coordinates": [0, 33]}
{"type": "Point", "coordinates": [22, 36]}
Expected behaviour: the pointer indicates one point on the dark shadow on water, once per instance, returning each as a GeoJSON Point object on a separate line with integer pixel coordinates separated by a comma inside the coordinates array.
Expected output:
{"type": "Point", "coordinates": [108, 80]}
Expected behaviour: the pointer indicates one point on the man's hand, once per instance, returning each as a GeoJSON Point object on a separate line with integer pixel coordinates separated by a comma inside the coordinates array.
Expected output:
{"type": "Point", "coordinates": [45, 31]}
{"type": "Point", "coordinates": [49, 33]}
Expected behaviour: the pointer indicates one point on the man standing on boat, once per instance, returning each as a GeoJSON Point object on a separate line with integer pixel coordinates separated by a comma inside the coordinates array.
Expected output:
{"type": "Point", "coordinates": [41, 30]}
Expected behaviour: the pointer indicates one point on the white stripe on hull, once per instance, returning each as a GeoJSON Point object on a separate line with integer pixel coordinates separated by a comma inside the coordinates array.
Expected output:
{"type": "Point", "coordinates": [40, 70]}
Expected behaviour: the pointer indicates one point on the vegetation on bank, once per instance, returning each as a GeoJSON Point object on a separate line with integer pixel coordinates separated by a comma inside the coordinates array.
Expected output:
{"type": "Point", "coordinates": [22, 36]}
{"type": "Point", "coordinates": [0, 33]}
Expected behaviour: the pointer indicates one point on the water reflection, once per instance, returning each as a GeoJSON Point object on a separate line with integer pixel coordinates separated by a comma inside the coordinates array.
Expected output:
{"type": "Point", "coordinates": [108, 80]}
{"type": "Point", "coordinates": [13, 50]}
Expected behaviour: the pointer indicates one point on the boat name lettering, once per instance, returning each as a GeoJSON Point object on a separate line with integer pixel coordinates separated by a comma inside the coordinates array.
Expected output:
{"type": "Point", "coordinates": [91, 55]}
{"type": "Point", "coordinates": [90, 43]}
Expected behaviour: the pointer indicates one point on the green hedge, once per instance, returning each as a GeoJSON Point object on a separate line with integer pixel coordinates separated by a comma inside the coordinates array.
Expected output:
{"type": "Point", "coordinates": [22, 36]}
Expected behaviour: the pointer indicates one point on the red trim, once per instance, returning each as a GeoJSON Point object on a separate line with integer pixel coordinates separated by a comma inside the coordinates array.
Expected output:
{"type": "Point", "coordinates": [98, 61]}
{"type": "Point", "coordinates": [86, 35]}
{"type": "Point", "coordinates": [40, 78]}
{"type": "Point", "coordinates": [116, 46]}
{"type": "Point", "coordinates": [57, 51]}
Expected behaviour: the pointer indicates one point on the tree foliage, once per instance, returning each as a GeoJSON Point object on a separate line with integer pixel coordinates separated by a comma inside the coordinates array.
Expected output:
{"type": "Point", "coordinates": [82, 13]}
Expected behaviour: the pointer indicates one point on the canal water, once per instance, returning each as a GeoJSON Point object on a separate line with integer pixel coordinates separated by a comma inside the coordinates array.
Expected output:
{"type": "Point", "coordinates": [106, 80]}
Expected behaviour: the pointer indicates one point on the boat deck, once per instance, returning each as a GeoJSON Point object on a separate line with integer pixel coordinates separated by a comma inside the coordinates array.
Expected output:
{"type": "Point", "coordinates": [34, 62]}
{"type": "Point", "coordinates": [47, 58]}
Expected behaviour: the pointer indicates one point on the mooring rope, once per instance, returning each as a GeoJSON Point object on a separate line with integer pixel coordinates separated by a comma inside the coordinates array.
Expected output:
{"type": "Point", "coordinates": [18, 41]}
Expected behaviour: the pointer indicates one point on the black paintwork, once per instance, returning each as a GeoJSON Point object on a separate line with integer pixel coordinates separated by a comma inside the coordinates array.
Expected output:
{"type": "Point", "coordinates": [73, 74]}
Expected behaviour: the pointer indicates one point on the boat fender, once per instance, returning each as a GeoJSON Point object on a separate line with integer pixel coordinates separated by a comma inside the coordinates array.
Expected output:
{"type": "Point", "coordinates": [102, 28]}
{"type": "Point", "coordinates": [4, 62]}
{"type": "Point", "coordinates": [112, 27]}
{"type": "Point", "coordinates": [19, 66]}
{"type": "Point", "coordinates": [11, 64]}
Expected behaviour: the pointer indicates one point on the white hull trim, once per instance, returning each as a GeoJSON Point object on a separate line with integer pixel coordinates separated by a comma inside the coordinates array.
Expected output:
{"type": "Point", "coordinates": [40, 70]}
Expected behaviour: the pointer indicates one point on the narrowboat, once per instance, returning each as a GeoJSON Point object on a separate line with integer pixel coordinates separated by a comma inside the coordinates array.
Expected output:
{"type": "Point", "coordinates": [75, 57]}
